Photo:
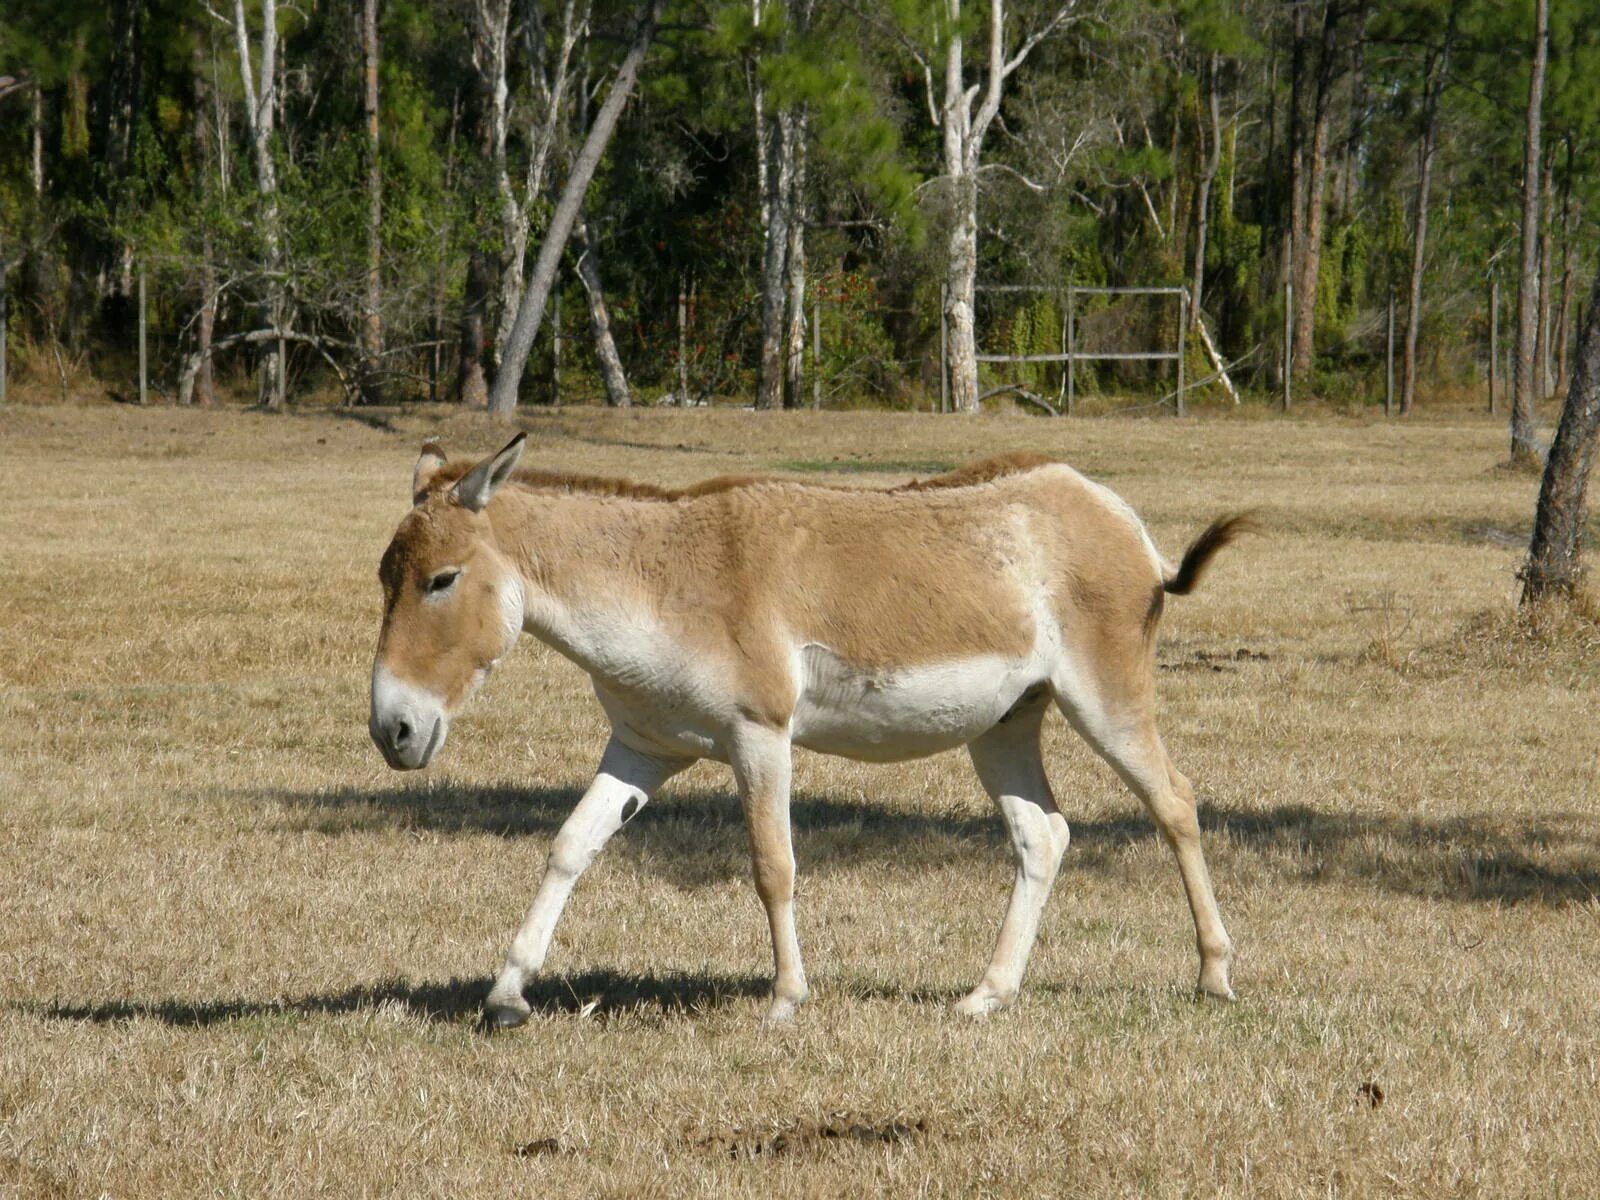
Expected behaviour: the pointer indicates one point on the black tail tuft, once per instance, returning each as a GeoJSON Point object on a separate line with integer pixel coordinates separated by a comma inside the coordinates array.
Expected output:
{"type": "Point", "coordinates": [1196, 558]}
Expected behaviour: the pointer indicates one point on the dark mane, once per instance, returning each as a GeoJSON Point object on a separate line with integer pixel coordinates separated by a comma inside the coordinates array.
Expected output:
{"type": "Point", "coordinates": [967, 475]}
{"type": "Point", "coordinates": [982, 470]}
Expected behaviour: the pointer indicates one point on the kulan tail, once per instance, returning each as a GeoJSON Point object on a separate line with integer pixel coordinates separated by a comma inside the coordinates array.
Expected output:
{"type": "Point", "coordinates": [1198, 556]}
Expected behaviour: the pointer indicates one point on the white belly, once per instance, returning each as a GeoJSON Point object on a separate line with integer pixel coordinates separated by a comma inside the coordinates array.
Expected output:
{"type": "Point", "coordinates": [906, 712]}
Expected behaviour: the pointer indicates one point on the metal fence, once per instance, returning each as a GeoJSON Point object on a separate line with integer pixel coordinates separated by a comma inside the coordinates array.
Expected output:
{"type": "Point", "coordinates": [1070, 354]}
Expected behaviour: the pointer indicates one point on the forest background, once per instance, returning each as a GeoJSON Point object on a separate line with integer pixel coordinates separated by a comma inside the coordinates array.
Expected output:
{"type": "Point", "coordinates": [793, 201]}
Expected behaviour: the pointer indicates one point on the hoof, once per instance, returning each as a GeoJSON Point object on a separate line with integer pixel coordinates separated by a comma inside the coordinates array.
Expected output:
{"type": "Point", "coordinates": [505, 1014]}
{"type": "Point", "coordinates": [782, 1010]}
{"type": "Point", "coordinates": [1214, 986]}
{"type": "Point", "coordinates": [978, 1004]}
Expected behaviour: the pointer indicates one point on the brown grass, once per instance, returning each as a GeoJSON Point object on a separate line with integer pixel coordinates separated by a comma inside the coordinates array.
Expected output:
{"type": "Point", "coordinates": [239, 957]}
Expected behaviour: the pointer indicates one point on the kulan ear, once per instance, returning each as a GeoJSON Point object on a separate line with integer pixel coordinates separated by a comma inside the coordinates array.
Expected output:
{"type": "Point", "coordinates": [479, 485]}
{"type": "Point", "coordinates": [428, 464]}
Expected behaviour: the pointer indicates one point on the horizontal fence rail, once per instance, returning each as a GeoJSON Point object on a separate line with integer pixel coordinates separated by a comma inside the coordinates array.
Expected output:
{"type": "Point", "coordinates": [1071, 354]}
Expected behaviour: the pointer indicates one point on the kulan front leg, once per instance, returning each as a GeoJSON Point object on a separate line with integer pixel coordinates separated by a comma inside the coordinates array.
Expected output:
{"type": "Point", "coordinates": [622, 786]}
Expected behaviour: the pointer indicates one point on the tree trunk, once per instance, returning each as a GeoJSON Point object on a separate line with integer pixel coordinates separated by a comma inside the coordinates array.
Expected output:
{"type": "Point", "coordinates": [36, 140]}
{"type": "Point", "coordinates": [489, 32]}
{"type": "Point", "coordinates": [1569, 262]}
{"type": "Point", "coordinates": [5, 320]}
{"type": "Point", "coordinates": [531, 310]}
{"type": "Point", "coordinates": [794, 366]}
{"type": "Point", "coordinates": [775, 250]}
{"type": "Point", "coordinates": [261, 105]}
{"type": "Point", "coordinates": [125, 86]}
{"type": "Point", "coordinates": [1524, 446]}
{"type": "Point", "coordinates": [473, 338]}
{"type": "Point", "coordinates": [1305, 292]}
{"type": "Point", "coordinates": [1562, 326]}
{"type": "Point", "coordinates": [1438, 67]}
{"type": "Point", "coordinates": [472, 389]}
{"type": "Point", "coordinates": [1295, 141]}
{"type": "Point", "coordinates": [961, 277]}
{"type": "Point", "coordinates": [961, 132]}
{"type": "Point", "coordinates": [1350, 169]}
{"type": "Point", "coordinates": [1203, 199]}
{"type": "Point", "coordinates": [1545, 384]}
{"type": "Point", "coordinates": [205, 325]}
{"type": "Point", "coordinates": [436, 321]}
{"type": "Point", "coordinates": [961, 253]}
{"type": "Point", "coordinates": [372, 325]}
{"type": "Point", "coordinates": [605, 346]}
{"type": "Point", "coordinates": [484, 104]}
{"type": "Point", "coordinates": [1554, 566]}
{"type": "Point", "coordinates": [548, 117]}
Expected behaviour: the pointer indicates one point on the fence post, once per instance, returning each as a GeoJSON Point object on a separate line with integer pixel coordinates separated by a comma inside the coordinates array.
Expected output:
{"type": "Point", "coordinates": [1183, 326]}
{"type": "Point", "coordinates": [555, 341]}
{"type": "Point", "coordinates": [944, 352]}
{"type": "Point", "coordinates": [816, 346]}
{"type": "Point", "coordinates": [683, 346]}
{"type": "Point", "coordinates": [1072, 345]}
{"type": "Point", "coordinates": [5, 266]}
{"type": "Point", "coordinates": [144, 375]}
{"type": "Point", "coordinates": [1494, 340]}
{"type": "Point", "coordinates": [1288, 338]}
{"type": "Point", "coordinates": [1388, 361]}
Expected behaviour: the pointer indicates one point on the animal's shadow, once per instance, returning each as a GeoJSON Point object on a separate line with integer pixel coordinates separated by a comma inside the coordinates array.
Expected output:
{"type": "Point", "coordinates": [601, 993]}
{"type": "Point", "coordinates": [696, 838]}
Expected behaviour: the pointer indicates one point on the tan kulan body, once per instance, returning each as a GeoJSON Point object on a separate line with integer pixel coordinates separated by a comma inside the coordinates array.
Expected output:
{"type": "Point", "coordinates": [740, 617]}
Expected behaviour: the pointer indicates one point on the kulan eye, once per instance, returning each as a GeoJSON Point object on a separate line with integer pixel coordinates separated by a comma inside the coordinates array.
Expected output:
{"type": "Point", "coordinates": [441, 582]}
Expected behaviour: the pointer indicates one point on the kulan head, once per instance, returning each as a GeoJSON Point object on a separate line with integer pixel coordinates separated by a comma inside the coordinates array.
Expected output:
{"type": "Point", "coordinates": [452, 606]}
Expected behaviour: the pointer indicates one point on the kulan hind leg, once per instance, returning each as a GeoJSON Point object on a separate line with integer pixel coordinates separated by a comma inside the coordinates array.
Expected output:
{"type": "Point", "coordinates": [1122, 729]}
{"type": "Point", "coordinates": [1011, 769]}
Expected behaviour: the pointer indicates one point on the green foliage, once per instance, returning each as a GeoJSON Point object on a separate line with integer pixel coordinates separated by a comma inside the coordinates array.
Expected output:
{"type": "Point", "coordinates": [1090, 174]}
{"type": "Point", "coordinates": [1037, 328]}
{"type": "Point", "coordinates": [1342, 281]}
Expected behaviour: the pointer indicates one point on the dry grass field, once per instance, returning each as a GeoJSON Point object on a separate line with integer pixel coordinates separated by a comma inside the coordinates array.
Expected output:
{"type": "Point", "coordinates": [239, 957]}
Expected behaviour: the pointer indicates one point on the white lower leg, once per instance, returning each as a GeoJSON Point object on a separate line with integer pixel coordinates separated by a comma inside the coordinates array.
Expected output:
{"type": "Point", "coordinates": [1009, 765]}
{"type": "Point", "coordinates": [623, 785]}
{"type": "Point", "coordinates": [1039, 840]}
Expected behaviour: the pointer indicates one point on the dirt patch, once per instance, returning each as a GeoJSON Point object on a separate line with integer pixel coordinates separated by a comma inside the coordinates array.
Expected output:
{"type": "Point", "coordinates": [1216, 660]}
{"type": "Point", "coordinates": [542, 1148]}
{"type": "Point", "coordinates": [810, 1136]}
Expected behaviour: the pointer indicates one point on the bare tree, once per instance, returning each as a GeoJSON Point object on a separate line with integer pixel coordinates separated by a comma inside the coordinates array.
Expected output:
{"type": "Point", "coordinates": [1554, 565]}
{"type": "Point", "coordinates": [372, 324]}
{"type": "Point", "coordinates": [780, 181]}
{"type": "Point", "coordinates": [530, 312]}
{"type": "Point", "coordinates": [1544, 381]}
{"type": "Point", "coordinates": [962, 113]}
{"type": "Point", "coordinates": [1524, 447]}
{"type": "Point", "coordinates": [1309, 243]}
{"type": "Point", "coordinates": [1208, 176]}
{"type": "Point", "coordinates": [1562, 329]}
{"type": "Point", "coordinates": [612, 375]}
{"type": "Point", "coordinates": [261, 107]}
{"type": "Point", "coordinates": [206, 319]}
{"type": "Point", "coordinates": [779, 188]}
{"type": "Point", "coordinates": [36, 141]}
{"type": "Point", "coordinates": [794, 332]}
{"type": "Point", "coordinates": [552, 68]}
{"type": "Point", "coordinates": [1438, 68]}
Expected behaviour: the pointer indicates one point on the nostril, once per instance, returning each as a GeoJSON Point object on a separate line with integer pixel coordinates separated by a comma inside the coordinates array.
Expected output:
{"type": "Point", "coordinates": [402, 733]}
